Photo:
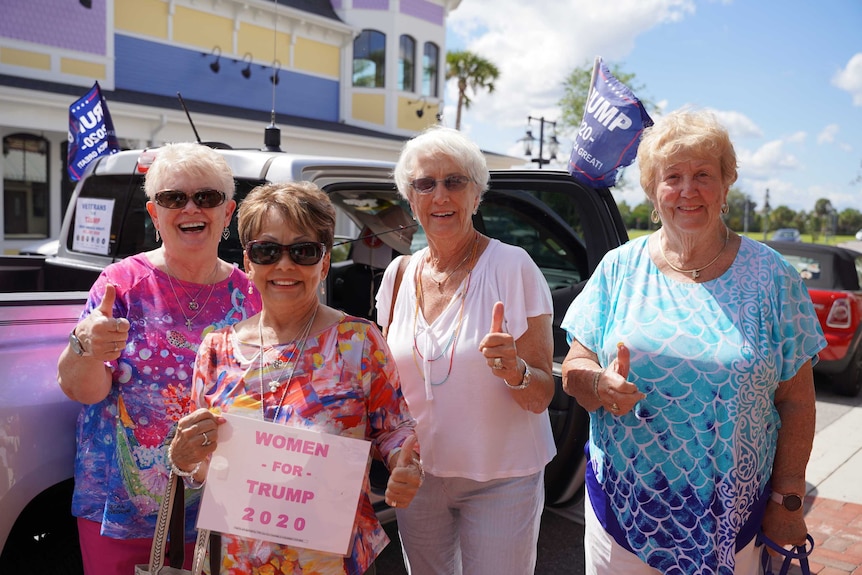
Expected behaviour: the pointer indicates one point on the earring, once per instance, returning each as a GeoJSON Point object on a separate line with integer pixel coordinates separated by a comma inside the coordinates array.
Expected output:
{"type": "Point", "coordinates": [322, 288]}
{"type": "Point", "coordinates": [158, 236]}
{"type": "Point", "coordinates": [724, 209]}
{"type": "Point", "coordinates": [654, 217]}
{"type": "Point", "coordinates": [250, 288]}
{"type": "Point", "coordinates": [225, 234]}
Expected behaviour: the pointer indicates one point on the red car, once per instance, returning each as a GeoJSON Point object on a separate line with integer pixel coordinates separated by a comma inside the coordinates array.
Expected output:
{"type": "Point", "coordinates": [833, 276]}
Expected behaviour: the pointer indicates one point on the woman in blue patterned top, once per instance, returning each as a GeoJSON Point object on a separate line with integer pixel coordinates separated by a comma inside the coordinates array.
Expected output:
{"type": "Point", "coordinates": [692, 349]}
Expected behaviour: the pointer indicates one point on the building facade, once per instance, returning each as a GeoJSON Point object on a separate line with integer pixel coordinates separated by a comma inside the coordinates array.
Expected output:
{"type": "Point", "coordinates": [347, 78]}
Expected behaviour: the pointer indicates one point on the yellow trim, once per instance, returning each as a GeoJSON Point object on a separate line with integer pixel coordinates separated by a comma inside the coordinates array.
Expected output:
{"type": "Point", "coordinates": [317, 57]}
{"type": "Point", "coordinates": [82, 68]}
{"type": "Point", "coordinates": [407, 118]}
{"type": "Point", "coordinates": [25, 58]}
{"type": "Point", "coordinates": [201, 29]}
{"type": "Point", "coordinates": [145, 17]}
{"type": "Point", "coordinates": [259, 42]}
{"type": "Point", "coordinates": [369, 108]}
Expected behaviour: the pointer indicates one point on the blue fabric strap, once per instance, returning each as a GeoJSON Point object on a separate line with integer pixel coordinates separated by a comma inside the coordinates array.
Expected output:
{"type": "Point", "coordinates": [799, 552]}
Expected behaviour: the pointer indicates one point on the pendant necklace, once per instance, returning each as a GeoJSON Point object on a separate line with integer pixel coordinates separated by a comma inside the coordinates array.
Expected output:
{"type": "Point", "coordinates": [275, 383]}
{"type": "Point", "coordinates": [453, 337]}
{"type": "Point", "coordinates": [193, 304]}
{"type": "Point", "coordinates": [449, 275]}
{"type": "Point", "coordinates": [695, 273]}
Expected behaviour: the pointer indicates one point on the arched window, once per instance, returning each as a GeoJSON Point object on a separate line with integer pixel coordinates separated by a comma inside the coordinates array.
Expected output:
{"type": "Point", "coordinates": [406, 63]}
{"type": "Point", "coordinates": [369, 59]}
{"type": "Point", "coordinates": [430, 69]}
{"type": "Point", "coordinates": [25, 186]}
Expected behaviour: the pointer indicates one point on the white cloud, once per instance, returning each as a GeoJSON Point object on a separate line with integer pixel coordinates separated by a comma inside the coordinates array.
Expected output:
{"type": "Point", "coordinates": [850, 78]}
{"type": "Point", "coordinates": [770, 157]}
{"type": "Point", "coordinates": [827, 135]}
{"type": "Point", "coordinates": [738, 125]}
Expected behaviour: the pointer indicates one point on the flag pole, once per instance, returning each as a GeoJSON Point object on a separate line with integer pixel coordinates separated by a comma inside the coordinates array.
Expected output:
{"type": "Point", "coordinates": [593, 76]}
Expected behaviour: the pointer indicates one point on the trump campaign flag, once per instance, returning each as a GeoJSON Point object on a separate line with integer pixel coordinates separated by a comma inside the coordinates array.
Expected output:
{"type": "Point", "coordinates": [608, 137]}
{"type": "Point", "coordinates": [91, 132]}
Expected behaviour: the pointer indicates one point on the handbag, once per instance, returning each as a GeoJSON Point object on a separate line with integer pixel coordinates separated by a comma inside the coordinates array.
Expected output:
{"type": "Point", "coordinates": [171, 519]}
{"type": "Point", "coordinates": [799, 552]}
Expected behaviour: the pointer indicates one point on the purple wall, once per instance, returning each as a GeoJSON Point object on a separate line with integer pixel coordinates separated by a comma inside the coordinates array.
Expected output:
{"type": "Point", "coordinates": [371, 4]}
{"type": "Point", "coordinates": [423, 9]}
{"type": "Point", "coordinates": [59, 23]}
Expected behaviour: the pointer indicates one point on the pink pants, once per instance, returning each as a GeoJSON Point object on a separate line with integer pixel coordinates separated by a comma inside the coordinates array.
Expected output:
{"type": "Point", "coordinates": [107, 556]}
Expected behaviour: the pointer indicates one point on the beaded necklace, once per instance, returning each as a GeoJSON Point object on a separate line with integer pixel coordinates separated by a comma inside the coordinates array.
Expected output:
{"type": "Point", "coordinates": [276, 382]}
{"type": "Point", "coordinates": [453, 337]}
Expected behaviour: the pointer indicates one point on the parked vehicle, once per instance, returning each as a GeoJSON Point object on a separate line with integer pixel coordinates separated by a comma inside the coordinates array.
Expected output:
{"type": "Point", "coordinates": [833, 276]}
{"type": "Point", "coordinates": [859, 235]}
{"type": "Point", "coordinates": [565, 227]}
{"type": "Point", "coordinates": [786, 235]}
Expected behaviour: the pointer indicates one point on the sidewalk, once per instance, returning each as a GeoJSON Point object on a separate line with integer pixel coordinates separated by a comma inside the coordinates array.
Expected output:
{"type": "Point", "coordinates": [833, 502]}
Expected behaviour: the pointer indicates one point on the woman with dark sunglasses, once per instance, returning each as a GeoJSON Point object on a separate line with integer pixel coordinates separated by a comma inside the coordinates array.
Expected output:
{"type": "Point", "coordinates": [470, 329]}
{"type": "Point", "coordinates": [300, 363]}
{"type": "Point", "coordinates": [130, 358]}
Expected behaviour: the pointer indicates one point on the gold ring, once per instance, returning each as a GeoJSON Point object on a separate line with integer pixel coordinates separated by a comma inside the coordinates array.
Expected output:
{"type": "Point", "coordinates": [498, 363]}
{"type": "Point", "coordinates": [115, 346]}
{"type": "Point", "coordinates": [615, 407]}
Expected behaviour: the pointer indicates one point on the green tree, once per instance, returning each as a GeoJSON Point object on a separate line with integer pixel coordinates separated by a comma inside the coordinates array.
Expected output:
{"type": "Point", "coordinates": [641, 214]}
{"type": "Point", "coordinates": [472, 73]}
{"type": "Point", "coordinates": [849, 221]}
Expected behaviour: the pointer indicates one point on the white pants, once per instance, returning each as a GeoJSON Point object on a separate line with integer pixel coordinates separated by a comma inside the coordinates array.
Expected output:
{"type": "Point", "coordinates": [604, 556]}
{"type": "Point", "coordinates": [457, 526]}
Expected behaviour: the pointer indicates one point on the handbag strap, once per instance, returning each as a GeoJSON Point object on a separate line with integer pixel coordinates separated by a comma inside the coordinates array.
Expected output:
{"type": "Point", "coordinates": [399, 275]}
{"type": "Point", "coordinates": [157, 550]}
{"type": "Point", "coordinates": [798, 552]}
{"type": "Point", "coordinates": [177, 527]}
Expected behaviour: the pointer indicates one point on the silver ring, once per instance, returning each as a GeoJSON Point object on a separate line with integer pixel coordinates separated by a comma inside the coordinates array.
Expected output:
{"type": "Point", "coordinates": [115, 346]}
{"type": "Point", "coordinates": [117, 324]}
{"type": "Point", "coordinates": [498, 363]}
{"type": "Point", "coordinates": [615, 407]}
{"type": "Point", "coordinates": [206, 439]}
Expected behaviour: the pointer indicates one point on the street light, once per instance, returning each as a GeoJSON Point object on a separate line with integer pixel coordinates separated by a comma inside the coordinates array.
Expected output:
{"type": "Point", "coordinates": [528, 140]}
{"type": "Point", "coordinates": [766, 208]}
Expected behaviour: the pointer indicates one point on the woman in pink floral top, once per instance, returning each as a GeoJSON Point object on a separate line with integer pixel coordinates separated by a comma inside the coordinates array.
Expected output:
{"type": "Point", "coordinates": [301, 364]}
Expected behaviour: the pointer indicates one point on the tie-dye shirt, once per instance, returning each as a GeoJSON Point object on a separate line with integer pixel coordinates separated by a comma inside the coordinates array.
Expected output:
{"type": "Point", "coordinates": [120, 469]}
{"type": "Point", "coordinates": [344, 383]}
{"type": "Point", "coordinates": [682, 472]}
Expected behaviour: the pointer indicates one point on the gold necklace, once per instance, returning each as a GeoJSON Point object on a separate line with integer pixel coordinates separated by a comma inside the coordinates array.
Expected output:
{"type": "Point", "coordinates": [449, 275]}
{"type": "Point", "coordinates": [199, 308]}
{"type": "Point", "coordinates": [294, 357]}
{"type": "Point", "coordinates": [695, 273]}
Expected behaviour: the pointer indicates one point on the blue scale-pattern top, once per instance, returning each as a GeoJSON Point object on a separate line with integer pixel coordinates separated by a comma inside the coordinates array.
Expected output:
{"type": "Point", "coordinates": [684, 470]}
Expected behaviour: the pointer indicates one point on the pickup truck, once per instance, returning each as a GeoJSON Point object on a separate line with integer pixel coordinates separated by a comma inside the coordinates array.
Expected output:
{"type": "Point", "coordinates": [565, 227]}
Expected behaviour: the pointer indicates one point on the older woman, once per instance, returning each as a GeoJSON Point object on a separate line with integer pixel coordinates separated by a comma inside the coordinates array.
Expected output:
{"type": "Point", "coordinates": [692, 349]}
{"type": "Point", "coordinates": [303, 364]}
{"type": "Point", "coordinates": [470, 329]}
{"type": "Point", "coordinates": [130, 357]}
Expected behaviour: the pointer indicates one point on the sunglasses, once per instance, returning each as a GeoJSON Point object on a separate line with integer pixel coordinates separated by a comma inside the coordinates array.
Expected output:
{"type": "Point", "coordinates": [452, 183]}
{"type": "Point", "coordinates": [176, 199]}
{"type": "Point", "coordinates": [265, 253]}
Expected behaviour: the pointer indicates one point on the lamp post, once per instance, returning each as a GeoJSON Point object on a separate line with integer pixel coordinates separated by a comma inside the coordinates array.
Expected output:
{"type": "Point", "coordinates": [528, 141]}
{"type": "Point", "coordinates": [766, 208]}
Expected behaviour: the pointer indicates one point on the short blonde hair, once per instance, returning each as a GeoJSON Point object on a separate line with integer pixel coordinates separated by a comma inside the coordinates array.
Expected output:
{"type": "Point", "coordinates": [684, 134]}
{"type": "Point", "coordinates": [301, 204]}
{"type": "Point", "coordinates": [191, 159]}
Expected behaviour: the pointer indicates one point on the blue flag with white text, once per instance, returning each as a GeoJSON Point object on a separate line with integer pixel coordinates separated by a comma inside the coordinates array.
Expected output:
{"type": "Point", "coordinates": [91, 132]}
{"type": "Point", "coordinates": [608, 137]}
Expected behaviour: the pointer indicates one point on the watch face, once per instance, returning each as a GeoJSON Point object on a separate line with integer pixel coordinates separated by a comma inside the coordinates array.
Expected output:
{"type": "Point", "coordinates": [792, 502]}
{"type": "Point", "coordinates": [75, 344]}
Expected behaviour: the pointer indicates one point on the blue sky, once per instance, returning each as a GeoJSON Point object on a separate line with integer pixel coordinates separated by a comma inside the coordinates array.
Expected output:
{"type": "Point", "coordinates": [784, 76]}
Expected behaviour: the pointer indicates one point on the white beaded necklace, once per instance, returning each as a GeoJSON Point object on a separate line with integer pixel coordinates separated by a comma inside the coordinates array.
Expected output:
{"type": "Point", "coordinates": [294, 358]}
{"type": "Point", "coordinates": [695, 273]}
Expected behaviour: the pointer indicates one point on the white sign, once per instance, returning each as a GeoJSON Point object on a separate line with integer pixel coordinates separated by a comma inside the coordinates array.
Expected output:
{"type": "Point", "coordinates": [92, 231]}
{"type": "Point", "coordinates": [285, 485]}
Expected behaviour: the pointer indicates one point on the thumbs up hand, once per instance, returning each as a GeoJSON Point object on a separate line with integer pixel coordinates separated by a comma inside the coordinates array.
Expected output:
{"type": "Point", "coordinates": [405, 476]}
{"type": "Point", "coordinates": [101, 334]}
{"type": "Point", "coordinates": [499, 349]}
{"type": "Point", "coordinates": [616, 392]}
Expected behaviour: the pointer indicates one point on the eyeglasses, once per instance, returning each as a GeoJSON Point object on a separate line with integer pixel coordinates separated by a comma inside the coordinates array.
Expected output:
{"type": "Point", "coordinates": [177, 199]}
{"type": "Point", "coordinates": [452, 183]}
{"type": "Point", "coordinates": [265, 253]}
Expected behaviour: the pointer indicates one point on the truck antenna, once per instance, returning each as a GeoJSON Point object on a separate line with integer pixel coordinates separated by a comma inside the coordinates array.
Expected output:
{"type": "Point", "coordinates": [183, 104]}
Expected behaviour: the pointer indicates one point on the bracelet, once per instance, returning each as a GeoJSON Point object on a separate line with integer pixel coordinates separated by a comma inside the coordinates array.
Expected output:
{"type": "Point", "coordinates": [176, 470]}
{"type": "Point", "coordinates": [596, 377]}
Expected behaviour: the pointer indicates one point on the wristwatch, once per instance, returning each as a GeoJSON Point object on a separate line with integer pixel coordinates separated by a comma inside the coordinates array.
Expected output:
{"type": "Point", "coordinates": [790, 501]}
{"type": "Point", "coordinates": [525, 383]}
{"type": "Point", "coordinates": [76, 345]}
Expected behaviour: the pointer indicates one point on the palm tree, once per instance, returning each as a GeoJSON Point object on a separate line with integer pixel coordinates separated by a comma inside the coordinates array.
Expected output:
{"type": "Point", "coordinates": [472, 72]}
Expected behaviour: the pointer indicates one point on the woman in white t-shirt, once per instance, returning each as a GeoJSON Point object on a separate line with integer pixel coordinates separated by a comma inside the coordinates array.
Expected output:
{"type": "Point", "coordinates": [470, 330]}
